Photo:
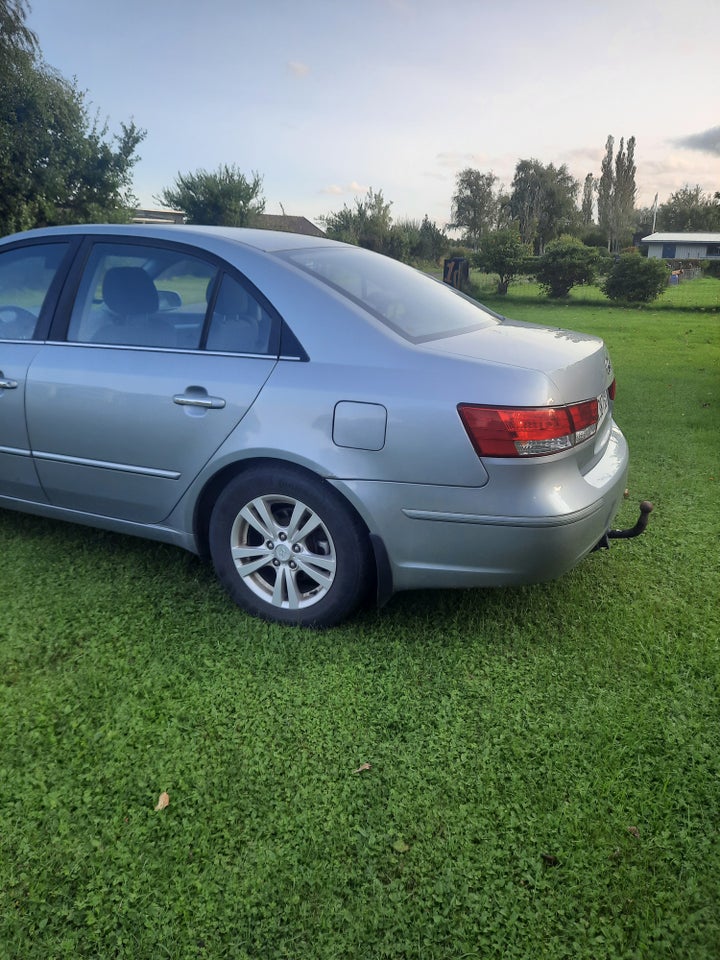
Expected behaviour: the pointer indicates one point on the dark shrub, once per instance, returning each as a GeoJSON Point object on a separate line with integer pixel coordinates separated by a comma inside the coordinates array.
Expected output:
{"type": "Point", "coordinates": [565, 263]}
{"type": "Point", "coordinates": [636, 279]}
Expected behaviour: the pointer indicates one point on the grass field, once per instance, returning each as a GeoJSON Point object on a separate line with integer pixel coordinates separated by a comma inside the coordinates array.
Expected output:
{"type": "Point", "coordinates": [544, 776]}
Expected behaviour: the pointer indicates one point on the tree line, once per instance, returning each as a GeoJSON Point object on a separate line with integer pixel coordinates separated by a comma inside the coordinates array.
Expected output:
{"type": "Point", "coordinates": [60, 164]}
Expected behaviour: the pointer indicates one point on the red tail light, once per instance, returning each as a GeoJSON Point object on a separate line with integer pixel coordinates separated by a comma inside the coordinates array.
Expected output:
{"type": "Point", "coordinates": [530, 431]}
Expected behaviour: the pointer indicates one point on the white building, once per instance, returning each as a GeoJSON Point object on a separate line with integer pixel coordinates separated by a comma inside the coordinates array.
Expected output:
{"type": "Point", "coordinates": [684, 246]}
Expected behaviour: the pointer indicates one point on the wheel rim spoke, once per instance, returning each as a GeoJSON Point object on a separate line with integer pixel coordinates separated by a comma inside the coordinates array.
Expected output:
{"type": "Point", "coordinates": [314, 566]}
{"type": "Point", "coordinates": [249, 559]}
{"type": "Point", "coordinates": [259, 518]}
{"type": "Point", "coordinates": [283, 551]}
{"type": "Point", "coordinates": [312, 523]}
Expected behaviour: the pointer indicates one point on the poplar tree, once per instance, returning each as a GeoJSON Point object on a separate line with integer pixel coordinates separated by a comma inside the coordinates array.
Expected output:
{"type": "Point", "coordinates": [617, 191]}
{"type": "Point", "coordinates": [589, 187]}
{"type": "Point", "coordinates": [623, 203]}
{"type": "Point", "coordinates": [605, 188]}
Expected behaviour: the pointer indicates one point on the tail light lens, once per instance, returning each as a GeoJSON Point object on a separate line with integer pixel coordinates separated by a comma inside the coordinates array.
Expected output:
{"type": "Point", "coordinates": [531, 431]}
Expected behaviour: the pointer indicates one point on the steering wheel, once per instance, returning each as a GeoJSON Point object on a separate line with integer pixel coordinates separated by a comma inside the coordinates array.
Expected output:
{"type": "Point", "coordinates": [16, 323]}
{"type": "Point", "coordinates": [18, 313]}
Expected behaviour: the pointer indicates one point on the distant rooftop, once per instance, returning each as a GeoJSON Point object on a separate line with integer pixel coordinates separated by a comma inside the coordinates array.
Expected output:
{"type": "Point", "coordinates": [287, 224]}
{"type": "Point", "coordinates": [158, 216]}
{"type": "Point", "coordinates": [682, 238]}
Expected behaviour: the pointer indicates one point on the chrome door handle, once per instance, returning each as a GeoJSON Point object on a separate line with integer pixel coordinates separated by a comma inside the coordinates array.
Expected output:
{"type": "Point", "coordinates": [8, 384]}
{"type": "Point", "coordinates": [190, 400]}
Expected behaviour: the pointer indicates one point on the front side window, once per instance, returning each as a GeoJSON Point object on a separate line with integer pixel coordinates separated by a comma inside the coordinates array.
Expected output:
{"type": "Point", "coordinates": [26, 274]}
{"type": "Point", "coordinates": [140, 295]}
{"type": "Point", "coordinates": [409, 302]}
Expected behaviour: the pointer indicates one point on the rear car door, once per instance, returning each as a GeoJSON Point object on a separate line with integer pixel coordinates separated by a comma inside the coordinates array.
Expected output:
{"type": "Point", "coordinates": [30, 278]}
{"type": "Point", "coordinates": [126, 408]}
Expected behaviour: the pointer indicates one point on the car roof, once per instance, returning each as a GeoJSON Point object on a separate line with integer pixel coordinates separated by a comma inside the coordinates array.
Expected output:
{"type": "Point", "coordinates": [268, 241]}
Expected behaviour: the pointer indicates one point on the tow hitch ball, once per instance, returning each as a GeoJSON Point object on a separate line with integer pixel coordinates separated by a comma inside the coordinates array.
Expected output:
{"type": "Point", "coordinates": [646, 509]}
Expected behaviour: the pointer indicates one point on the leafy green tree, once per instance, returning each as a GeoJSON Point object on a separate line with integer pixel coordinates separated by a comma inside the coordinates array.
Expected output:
{"type": "Point", "coordinates": [690, 210]}
{"type": "Point", "coordinates": [57, 164]}
{"type": "Point", "coordinates": [624, 194]}
{"type": "Point", "coordinates": [636, 279]}
{"type": "Point", "coordinates": [586, 207]}
{"type": "Point", "coordinates": [17, 40]}
{"type": "Point", "coordinates": [506, 254]}
{"type": "Point", "coordinates": [543, 201]}
{"type": "Point", "coordinates": [424, 240]}
{"type": "Point", "coordinates": [616, 192]}
{"type": "Point", "coordinates": [476, 205]}
{"type": "Point", "coordinates": [433, 242]}
{"type": "Point", "coordinates": [224, 197]}
{"type": "Point", "coordinates": [566, 263]}
{"type": "Point", "coordinates": [368, 224]}
{"type": "Point", "coordinates": [606, 184]}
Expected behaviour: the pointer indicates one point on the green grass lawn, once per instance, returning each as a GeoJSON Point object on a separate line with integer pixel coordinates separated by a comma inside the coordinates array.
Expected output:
{"type": "Point", "coordinates": [544, 775]}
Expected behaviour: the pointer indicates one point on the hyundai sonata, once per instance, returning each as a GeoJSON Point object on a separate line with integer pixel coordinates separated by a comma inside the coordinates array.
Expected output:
{"type": "Point", "coordinates": [320, 420]}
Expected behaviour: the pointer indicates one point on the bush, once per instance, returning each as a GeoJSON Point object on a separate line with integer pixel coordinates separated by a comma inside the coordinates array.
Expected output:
{"type": "Point", "coordinates": [565, 263]}
{"type": "Point", "coordinates": [636, 279]}
{"type": "Point", "coordinates": [712, 269]}
{"type": "Point", "coordinates": [504, 253]}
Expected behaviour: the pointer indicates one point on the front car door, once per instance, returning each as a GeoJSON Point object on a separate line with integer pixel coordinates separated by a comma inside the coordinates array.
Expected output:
{"type": "Point", "coordinates": [148, 381]}
{"type": "Point", "coordinates": [30, 277]}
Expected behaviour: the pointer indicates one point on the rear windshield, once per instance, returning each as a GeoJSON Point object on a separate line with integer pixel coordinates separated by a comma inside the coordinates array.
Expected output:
{"type": "Point", "coordinates": [411, 303]}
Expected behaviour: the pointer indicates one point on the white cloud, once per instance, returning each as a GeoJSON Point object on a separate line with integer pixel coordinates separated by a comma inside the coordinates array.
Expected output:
{"type": "Point", "coordinates": [298, 68]}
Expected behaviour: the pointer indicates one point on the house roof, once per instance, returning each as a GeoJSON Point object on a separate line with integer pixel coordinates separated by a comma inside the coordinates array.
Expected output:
{"type": "Point", "coordinates": [682, 238]}
{"type": "Point", "coordinates": [287, 224]}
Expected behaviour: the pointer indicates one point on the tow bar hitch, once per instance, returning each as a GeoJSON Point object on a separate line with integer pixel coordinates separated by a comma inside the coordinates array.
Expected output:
{"type": "Point", "coordinates": [646, 508]}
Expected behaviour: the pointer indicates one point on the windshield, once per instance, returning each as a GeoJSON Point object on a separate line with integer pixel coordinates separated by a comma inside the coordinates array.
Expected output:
{"type": "Point", "coordinates": [411, 303]}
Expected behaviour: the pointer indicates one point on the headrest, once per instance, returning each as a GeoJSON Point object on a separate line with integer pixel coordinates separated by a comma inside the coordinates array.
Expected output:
{"type": "Point", "coordinates": [129, 290]}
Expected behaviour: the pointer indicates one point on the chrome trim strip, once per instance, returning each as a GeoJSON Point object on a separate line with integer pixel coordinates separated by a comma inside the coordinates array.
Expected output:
{"type": "Point", "coordinates": [499, 521]}
{"type": "Point", "coordinates": [14, 451]}
{"type": "Point", "coordinates": [107, 465]}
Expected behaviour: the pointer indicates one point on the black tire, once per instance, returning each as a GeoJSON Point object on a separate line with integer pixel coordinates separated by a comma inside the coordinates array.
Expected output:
{"type": "Point", "coordinates": [287, 547]}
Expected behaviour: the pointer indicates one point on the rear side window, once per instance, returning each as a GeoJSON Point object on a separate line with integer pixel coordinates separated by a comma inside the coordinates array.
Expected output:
{"type": "Point", "coordinates": [239, 323]}
{"type": "Point", "coordinates": [26, 274]}
{"type": "Point", "coordinates": [409, 302]}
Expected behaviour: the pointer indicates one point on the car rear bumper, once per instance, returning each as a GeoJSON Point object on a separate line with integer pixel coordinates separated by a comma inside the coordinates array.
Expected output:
{"type": "Point", "coordinates": [447, 536]}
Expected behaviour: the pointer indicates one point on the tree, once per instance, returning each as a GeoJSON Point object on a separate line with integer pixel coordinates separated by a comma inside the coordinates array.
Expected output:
{"type": "Point", "coordinates": [17, 40]}
{"type": "Point", "coordinates": [368, 225]}
{"type": "Point", "coordinates": [690, 210]}
{"type": "Point", "coordinates": [433, 242]}
{"type": "Point", "coordinates": [424, 240]}
{"type": "Point", "coordinates": [475, 205]}
{"type": "Point", "coordinates": [565, 263]}
{"type": "Point", "coordinates": [57, 165]}
{"type": "Point", "coordinates": [605, 189]}
{"type": "Point", "coordinates": [223, 197]}
{"type": "Point", "coordinates": [504, 253]}
{"type": "Point", "coordinates": [636, 279]}
{"type": "Point", "coordinates": [543, 201]}
{"type": "Point", "coordinates": [624, 194]}
{"type": "Point", "coordinates": [586, 208]}
{"type": "Point", "coordinates": [616, 192]}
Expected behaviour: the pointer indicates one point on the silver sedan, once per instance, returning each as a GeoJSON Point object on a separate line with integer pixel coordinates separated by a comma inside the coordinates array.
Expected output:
{"type": "Point", "coordinates": [325, 423]}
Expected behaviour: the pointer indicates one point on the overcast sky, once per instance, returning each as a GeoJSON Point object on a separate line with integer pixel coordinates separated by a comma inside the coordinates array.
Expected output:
{"type": "Point", "coordinates": [325, 98]}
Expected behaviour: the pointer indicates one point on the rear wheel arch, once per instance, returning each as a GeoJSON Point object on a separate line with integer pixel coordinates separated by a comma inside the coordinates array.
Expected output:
{"type": "Point", "coordinates": [217, 483]}
{"type": "Point", "coordinates": [286, 544]}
